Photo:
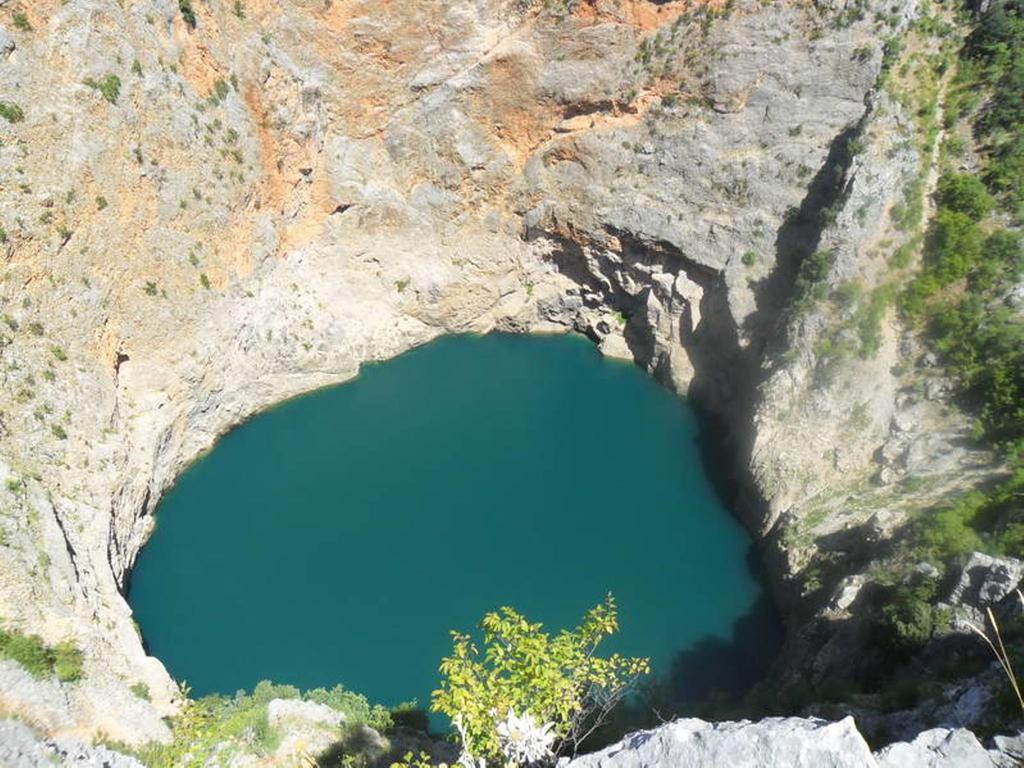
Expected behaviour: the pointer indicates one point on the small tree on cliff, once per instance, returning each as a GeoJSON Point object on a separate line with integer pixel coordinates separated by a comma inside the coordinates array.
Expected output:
{"type": "Point", "coordinates": [529, 695]}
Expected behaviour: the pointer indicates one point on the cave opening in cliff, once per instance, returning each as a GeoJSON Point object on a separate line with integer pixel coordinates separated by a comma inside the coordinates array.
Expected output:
{"type": "Point", "coordinates": [339, 537]}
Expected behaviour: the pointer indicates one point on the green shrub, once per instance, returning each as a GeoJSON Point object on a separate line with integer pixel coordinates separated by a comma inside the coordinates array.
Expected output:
{"type": "Point", "coordinates": [229, 725]}
{"type": "Point", "coordinates": [911, 615]}
{"type": "Point", "coordinates": [21, 22]}
{"type": "Point", "coordinates": [40, 660]}
{"type": "Point", "coordinates": [109, 87]}
{"type": "Point", "coordinates": [964, 193]}
{"type": "Point", "coordinates": [953, 247]}
{"type": "Point", "coordinates": [27, 650]}
{"type": "Point", "coordinates": [810, 286]}
{"type": "Point", "coordinates": [141, 690]}
{"type": "Point", "coordinates": [867, 320]}
{"type": "Point", "coordinates": [220, 91]}
{"type": "Point", "coordinates": [189, 15]}
{"type": "Point", "coordinates": [411, 716]}
{"type": "Point", "coordinates": [557, 680]}
{"type": "Point", "coordinates": [749, 259]}
{"type": "Point", "coordinates": [353, 705]}
{"type": "Point", "coordinates": [67, 662]}
{"type": "Point", "coordinates": [11, 112]}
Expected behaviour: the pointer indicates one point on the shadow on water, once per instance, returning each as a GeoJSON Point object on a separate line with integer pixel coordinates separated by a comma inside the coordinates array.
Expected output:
{"type": "Point", "coordinates": [708, 679]}
{"type": "Point", "coordinates": [719, 667]}
{"type": "Point", "coordinates": [730, 666]}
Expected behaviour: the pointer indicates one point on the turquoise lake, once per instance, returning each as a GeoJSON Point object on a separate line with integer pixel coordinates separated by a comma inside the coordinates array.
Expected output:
{"type": "Point", "coordinates": [338, 537]}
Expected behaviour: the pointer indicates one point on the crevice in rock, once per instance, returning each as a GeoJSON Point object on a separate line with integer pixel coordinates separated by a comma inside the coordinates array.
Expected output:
{"type": "Point", "coordinates": [72, 555]}
{"type": "Point", "coordinates": [797, 238]}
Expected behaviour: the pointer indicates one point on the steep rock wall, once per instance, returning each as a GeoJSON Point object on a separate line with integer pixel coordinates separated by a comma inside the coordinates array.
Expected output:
{"type": "Point", "coordinates": [274, 197]}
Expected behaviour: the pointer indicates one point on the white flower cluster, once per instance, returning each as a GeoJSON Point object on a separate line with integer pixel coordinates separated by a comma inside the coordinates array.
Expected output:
{"type": "Point", "coordinates": [523, 740]}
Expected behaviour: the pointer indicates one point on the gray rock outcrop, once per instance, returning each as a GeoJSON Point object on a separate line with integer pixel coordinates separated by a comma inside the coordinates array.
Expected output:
{"type": "Point", "coordinates": [271, 198]}
{"type": "Point", "coordinates": [21, 748]}
{"type": "Point", "coordinates": [941, 748]}
{"type": "Point", "coordinates": [985, 580]}
{"type": "Point", "coordinates": [790, 742]}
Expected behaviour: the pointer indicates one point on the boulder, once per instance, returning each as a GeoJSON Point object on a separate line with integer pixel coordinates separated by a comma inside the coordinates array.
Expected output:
{"type": "Point", "coordinates": [986, 580]}
{"type": "Point", "coordinates": [983, 582]}
{"type": "Point", "coordinates": [775, 742]}
{"type": "Point", "coordinates": [937, 748]}
{"type": "Point", "coordinates": [794, 742]}
{"type": "Point", "coordinates": [294, 711]}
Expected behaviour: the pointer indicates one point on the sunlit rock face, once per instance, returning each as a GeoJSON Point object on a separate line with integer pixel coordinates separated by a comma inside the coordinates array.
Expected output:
{"type": "Point", "coordinates": [200, 221]}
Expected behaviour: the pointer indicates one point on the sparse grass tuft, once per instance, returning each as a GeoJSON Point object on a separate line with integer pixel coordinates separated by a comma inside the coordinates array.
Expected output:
{"type": "Point", "coordinates": [109, 87]}
{"type": "Point", "coordinates": [40, 660]}
{"type": "Point", "coordinates": [11, 112]}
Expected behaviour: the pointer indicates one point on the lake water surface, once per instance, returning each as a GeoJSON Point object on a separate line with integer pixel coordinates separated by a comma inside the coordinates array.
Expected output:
{"type": "Point", "coordinates": [339, 537]}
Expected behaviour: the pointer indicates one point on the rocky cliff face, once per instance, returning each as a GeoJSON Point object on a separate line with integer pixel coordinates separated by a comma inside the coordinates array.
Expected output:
{"type": "Point", "coordinates": [204, 216]}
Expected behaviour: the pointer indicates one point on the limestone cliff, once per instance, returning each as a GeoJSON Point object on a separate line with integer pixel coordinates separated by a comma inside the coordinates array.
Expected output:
{"type": "Point", "coordinates": [205, 214]}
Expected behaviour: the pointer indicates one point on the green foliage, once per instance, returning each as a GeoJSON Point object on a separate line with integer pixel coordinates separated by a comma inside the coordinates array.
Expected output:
{"type": "Point", "coordinates": [993, 64]}
{"type": "Point", "coordinates": [67, 662]}
{"type": "Point", "coordinates": [232, 725]}
{"type": "Point", "coordinates": [557, 679]}
{"type": "Point", "coordinates": [964, 193]}
{"type": "Point", "coordinates": [811, 286]}
{"type": "Point", "coordinates": [59, 353]}
{"type": "Point", "coordinates": [414, 760]}
{"type": "Point", "coordinates": [954, 245]}
{"type": "Point", "coordinates": [990, 521]}
{"type": "Point", "coordinates": [354, 705]}
{"type": "Point", "coordinates": [911, 616]}
{"type": "Point", "coordinates": [220, 91]}
{"type": "Point", "coordinates": [21, 22]}
{"type": "Point", "coordinates": [970, 264]}
{"type": "Point", "coordinates": [11, 112]}
{"type": "Point", "coordinates": [410, 715]}
{"type": "Point", "coordinates": [908, 213]}
{"type": "Point", "coordinates": [985, 347]}
{"type": "Point", "coordinates": [998, 45]}
{"type": "Point", "coordinates": [187, 13]}
{"type": "Point", "coordinates": [141, 690]}
{"type": "Point", "coordinates": [109, 87]}
{"type": "Point", "coordinates": [749, 259]}
{"type": "Point", "coordinates": [40, 660]}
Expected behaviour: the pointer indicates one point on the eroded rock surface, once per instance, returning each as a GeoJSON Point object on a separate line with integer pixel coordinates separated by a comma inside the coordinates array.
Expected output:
{"type": "Point", "coordinates": [256, 206]}
{"type": "Point", "coordinates": [790, 742]}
